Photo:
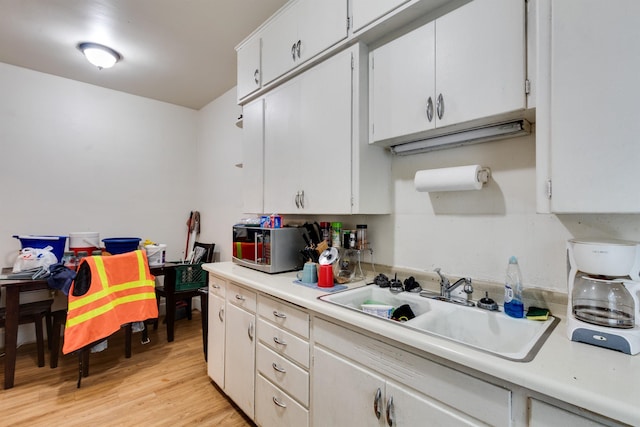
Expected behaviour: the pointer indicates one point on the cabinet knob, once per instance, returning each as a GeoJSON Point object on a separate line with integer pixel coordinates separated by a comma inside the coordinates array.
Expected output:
{"type": "Point", "coordinates": [298, 45]}
{"type": "Point", "coordinates": [279, 315]}
{"type": "Point", "coordinates": [430, 109]}
{"type": "Point", "coordinates": [256, 76]}
{"type": "Point", "coordinates": [293, 51]}
{"type": "Point", "coordinates": [390, 412]}
{"type": "Point", "coordinates": [440, 106]}
{"type": "Point", "coordinates": [277, 368]}
{"type": "Point", "coordinates": [277, 402]}
{"type": "Point", "coordinates": [221, 314]}
{"type": "Point", "coordinates": [250, 331]}
{"type": "Point", "coordinates": [279, 341]}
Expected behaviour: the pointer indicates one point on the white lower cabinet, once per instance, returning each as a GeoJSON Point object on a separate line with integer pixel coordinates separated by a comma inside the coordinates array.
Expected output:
{"type": "Point", "coordinates": [216, 330]}
{"type": "Point", "coordinates": [240, 348]}
{"type": "Point", "coordinates": [346, 393]}
{"type": "Point", "coordinates": [355, 378]}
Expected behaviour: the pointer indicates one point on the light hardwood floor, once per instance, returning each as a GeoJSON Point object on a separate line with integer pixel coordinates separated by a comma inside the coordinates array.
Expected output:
{"type": "Point", "coordinates": [162, 384]}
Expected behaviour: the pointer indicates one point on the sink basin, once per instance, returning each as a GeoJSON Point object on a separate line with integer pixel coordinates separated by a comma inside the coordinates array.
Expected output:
{"type": "Point", "coordinates": [488, 331]}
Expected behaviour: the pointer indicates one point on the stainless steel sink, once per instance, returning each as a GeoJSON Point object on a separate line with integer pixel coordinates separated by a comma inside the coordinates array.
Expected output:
{"type": "Point", "coordinates": [488, 331]}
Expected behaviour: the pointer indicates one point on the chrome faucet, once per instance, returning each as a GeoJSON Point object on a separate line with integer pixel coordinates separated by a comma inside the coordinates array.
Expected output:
{"type": "Point", "coordinates": [446, 287]}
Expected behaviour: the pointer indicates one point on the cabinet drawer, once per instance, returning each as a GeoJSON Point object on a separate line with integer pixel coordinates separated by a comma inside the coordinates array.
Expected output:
{"type": "Point", "coordinates": [241, 297]}
{"type": "Point", "coordinates": [484, 401]}
{"type": "Point", "coordinates": [276, 408]}
{"type": "Point", "coordinates": [217, 285]}
{"type": "Point", "coordinates": [284, 315]}
{"type": "Point", "coordinates": [283, 342]}
{"type": "Point", "coordinates": [283, 373]}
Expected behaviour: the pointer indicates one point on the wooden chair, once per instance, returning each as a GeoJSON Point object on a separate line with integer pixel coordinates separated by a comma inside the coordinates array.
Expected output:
{"type": "Point", "coordinates": [34, 312]}
{"type": "Point", "coordinates": [185, 295]}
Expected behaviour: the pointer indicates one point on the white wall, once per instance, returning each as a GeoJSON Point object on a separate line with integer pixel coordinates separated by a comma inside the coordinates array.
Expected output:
{"type": "Point", "coordinates": [219, 149]}
{"type": "Point", "coordinates": [77, 157]}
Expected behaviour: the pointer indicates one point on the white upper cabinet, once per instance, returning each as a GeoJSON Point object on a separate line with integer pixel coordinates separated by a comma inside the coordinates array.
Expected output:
{"type": "Point", "coordinates": [589, 134]}
{"type": "Point", "coordinates": [308, 161]}
{"type": "Point", "coordinates": [467, 66]}
{"type": "Point", "coordinates": [365, 12]}
{"type": "Point", "coordinates": [299, 32]}
{"type": "Point", "coordinates": [402, 83]}
{"type": "Point", "coordinates": [249, 70]}
{"type": "Point", "coordinates": [317, 159]}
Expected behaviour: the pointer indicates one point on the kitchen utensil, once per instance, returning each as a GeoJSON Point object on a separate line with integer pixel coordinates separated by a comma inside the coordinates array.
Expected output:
{"type": "Point", "coordinates": [309, 274]}
{"type": "Point", "coordinates": [325, 276]}
{"type": "Point", "coordinates": [329, 256]}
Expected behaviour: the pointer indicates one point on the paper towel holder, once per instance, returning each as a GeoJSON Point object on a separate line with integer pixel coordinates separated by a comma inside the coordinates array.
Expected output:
{"type": "Point", "coordinates": [459, 178]}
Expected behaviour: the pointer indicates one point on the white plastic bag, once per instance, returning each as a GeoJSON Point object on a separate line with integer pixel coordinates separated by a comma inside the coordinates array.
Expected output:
{"type": "Point", "coordinates": [33, 258]}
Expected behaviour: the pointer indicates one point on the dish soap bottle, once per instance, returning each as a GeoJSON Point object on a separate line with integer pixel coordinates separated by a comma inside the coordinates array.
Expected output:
{"type": "Point", "coordinates": [513, 305]}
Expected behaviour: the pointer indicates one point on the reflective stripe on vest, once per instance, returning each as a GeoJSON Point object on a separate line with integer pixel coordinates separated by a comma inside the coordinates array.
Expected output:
{"type": "Point", "coordinates": [122, 290]}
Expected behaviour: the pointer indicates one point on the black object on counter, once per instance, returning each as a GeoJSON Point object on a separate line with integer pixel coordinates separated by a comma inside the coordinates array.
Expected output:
{"type": "Point", "coordinates": [381, 280]}
{"type": "Point", "coordinates": [411, 285]}
{"type": "Point", "coordinates": [403, 313]}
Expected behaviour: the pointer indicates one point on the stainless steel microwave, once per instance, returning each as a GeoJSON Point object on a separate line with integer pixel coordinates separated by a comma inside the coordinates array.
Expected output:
{"type": "Point", "coordinates": [271, 250]}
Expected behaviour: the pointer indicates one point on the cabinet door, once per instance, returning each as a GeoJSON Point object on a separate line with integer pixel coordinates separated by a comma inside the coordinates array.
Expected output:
{"type": "Point", "coordinates": [284, 159]}
{"type": "Point", "coordinates": [249, 68]}
{"type": "Point", "coordinates": [216, 339]}
{"type": "Point", "coordinates": [253, 156]}
{"type": "Point", "coordinates": [594, 100]}
{"type": "Point", "coordinates": [308, 140]}
{"type": "Point", "coordinates": [480, 60]}
{"type": "Point", "coordinates": [321, 24]}
{"type": "Point", "coordinates": [240, 358]}
{"type": "Point", "coordinates": [402, 85]}
{"type": "Point", "coordinates": [279, 38]}
{"type": "Point", "coordinates": [344, 394]}
{"type": "Point", "coordinates": [367, 11]}
{"type": "Point", "coordinates": [325, 118]}
{"type": "Point", "coordinates": [404, 407]}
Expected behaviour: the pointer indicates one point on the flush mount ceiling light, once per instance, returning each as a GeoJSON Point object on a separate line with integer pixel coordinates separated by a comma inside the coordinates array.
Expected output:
{"type": "Point", "coordinates": [99, 55]}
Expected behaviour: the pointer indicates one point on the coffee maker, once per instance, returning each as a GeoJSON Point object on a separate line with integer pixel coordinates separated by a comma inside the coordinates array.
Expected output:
{"type": "Point", "coordinates": [604, 292]}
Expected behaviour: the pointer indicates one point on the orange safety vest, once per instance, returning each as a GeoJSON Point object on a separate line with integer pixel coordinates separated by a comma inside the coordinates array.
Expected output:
{"type": "Point", "coordinates": [121, 291]}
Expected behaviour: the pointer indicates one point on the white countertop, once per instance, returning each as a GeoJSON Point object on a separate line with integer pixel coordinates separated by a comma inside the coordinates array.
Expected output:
{"type": "Point", "coordinates": [599, 380]}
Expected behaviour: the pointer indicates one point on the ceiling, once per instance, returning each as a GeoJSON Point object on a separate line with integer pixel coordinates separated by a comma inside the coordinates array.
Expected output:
{"type": "Point", "coordinates": [177, 51]}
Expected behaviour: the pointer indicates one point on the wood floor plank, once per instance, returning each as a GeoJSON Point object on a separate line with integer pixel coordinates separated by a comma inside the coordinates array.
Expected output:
{"type": "Point", "coordinates": [162, 384]}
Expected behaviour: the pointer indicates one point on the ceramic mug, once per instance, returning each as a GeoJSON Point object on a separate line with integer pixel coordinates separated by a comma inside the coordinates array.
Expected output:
{"type": "Point", "coordinates": [309, 273]}
{"type": "Point", "coordinates": [325, 276]}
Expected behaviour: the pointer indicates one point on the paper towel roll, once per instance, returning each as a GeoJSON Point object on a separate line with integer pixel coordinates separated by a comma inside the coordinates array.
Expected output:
{"type": "Point", "coordinates": [451, 179]}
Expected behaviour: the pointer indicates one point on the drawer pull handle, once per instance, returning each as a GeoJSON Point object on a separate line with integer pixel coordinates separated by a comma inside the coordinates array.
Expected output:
{"type": "Point", "coordinates": [214, 286]}
{"type": "Point", "coordinates": [376, 403]}
{"type": "Point", "coordinates": [277, 402]}
{"type": "Point", "coordinates": [250, 331]}
{"type": "Point", "coordinates": [279, 315]}
{"type": "Point", "coordinates": [239, 297]}
{"type": "Point", "coordinates": [221, 314]}
{"type": "Point", "coordinates": [278, 368]}
{"type": "Point", "coordinates": [390, 412]}
{"type": "Point", "coordinates": [279, 341]}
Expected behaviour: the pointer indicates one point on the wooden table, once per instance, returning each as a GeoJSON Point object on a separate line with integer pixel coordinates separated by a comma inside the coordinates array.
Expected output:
{"type": "Point", "coordinates": [12, 289]}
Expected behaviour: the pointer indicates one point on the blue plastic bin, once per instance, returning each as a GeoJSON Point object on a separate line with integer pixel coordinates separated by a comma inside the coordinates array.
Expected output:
{"type": "Point", "coordinates": [42, 241]}
{"type": "Point", "coordinates": [120, 245]}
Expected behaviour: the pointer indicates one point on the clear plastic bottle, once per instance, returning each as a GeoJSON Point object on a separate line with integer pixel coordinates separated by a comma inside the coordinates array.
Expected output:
{"type": "Point", "coordinates": [513, 304]}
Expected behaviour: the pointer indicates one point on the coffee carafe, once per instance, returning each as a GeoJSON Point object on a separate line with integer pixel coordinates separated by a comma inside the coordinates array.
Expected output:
{"type": "Point", "coordinates": [604, 290]}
